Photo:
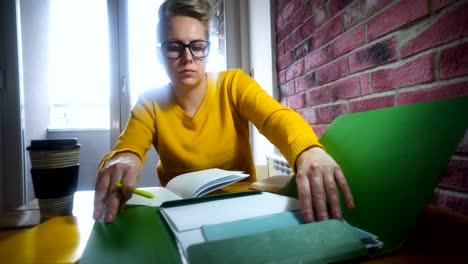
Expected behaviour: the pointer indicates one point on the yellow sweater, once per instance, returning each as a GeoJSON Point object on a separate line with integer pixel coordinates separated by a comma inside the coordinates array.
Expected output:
{"type": "Point", "coordinates": [217, 136]}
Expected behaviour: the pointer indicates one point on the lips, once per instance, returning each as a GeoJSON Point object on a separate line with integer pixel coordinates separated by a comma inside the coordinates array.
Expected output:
{"type": "Point", "coordinates": [186, 71]}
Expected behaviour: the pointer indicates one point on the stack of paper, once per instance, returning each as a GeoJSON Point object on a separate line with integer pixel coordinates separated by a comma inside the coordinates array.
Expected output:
{"type": "Point", "coordinates": [186, 221]}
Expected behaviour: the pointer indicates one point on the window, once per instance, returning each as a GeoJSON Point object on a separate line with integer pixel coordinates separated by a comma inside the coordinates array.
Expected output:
{"type": "Point", "coordinates": [78, 68]}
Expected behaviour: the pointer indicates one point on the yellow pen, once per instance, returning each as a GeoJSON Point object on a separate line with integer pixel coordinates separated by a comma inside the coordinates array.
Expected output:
{"type": "Point", "coordinates": [137, 191]}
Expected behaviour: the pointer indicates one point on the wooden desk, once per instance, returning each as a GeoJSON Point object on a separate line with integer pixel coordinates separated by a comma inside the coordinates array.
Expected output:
{"type": "Point", "coordinates": [439, 237]}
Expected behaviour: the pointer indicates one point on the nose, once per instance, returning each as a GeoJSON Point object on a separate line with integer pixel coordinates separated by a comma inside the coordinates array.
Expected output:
{"type": "Point", "coordinates": [187, 55]}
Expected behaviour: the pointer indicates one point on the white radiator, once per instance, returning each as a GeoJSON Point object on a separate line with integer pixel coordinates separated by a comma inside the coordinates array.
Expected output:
{"type": "Point", "coordinates": [277, 165]}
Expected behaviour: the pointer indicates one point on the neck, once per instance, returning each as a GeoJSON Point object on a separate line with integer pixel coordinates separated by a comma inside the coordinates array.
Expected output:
{"type": "Point", "coordinates": [189, 98]}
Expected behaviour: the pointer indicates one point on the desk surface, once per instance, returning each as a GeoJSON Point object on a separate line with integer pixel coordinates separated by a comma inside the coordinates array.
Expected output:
{"type": "Point", "coordinates": [439, 237]}
{"type": "Point", "coordinates": [57, 240]}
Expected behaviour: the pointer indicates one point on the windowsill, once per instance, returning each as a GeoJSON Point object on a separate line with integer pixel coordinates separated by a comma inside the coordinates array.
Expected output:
{"type": "Point", "coordinates": [57, 130]}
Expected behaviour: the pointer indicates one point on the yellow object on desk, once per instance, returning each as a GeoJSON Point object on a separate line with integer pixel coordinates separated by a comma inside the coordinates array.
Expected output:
{"type": "Point", "coordinates": [137, 191]}
{"type": "Point", "coordinates": [57, 240]}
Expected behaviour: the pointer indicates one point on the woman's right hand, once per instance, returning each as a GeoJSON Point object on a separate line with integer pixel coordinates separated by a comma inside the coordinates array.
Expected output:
{"type": "Point", "coordinates": [125, 168]}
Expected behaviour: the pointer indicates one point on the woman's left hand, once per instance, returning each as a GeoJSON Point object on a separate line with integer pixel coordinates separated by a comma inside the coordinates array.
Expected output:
{"type": "Point", "coordinates": [318, 176]}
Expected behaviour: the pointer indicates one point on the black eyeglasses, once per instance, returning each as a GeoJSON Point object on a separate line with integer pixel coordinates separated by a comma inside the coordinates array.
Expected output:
{"type": "Point", "coordinates": [174, 49]}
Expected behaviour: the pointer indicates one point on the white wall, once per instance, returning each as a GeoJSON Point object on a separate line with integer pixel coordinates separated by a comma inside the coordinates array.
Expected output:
{"type": "Point", "coordinates": [11, 160]}
{"type": "Point", "coordinates": [262, 66]}
{"type": "Point", "coordinates": [35, 53]}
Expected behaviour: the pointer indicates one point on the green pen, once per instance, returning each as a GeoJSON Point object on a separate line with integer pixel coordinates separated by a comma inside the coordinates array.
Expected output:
{"type": "Point", "coordinates": [137, 191]}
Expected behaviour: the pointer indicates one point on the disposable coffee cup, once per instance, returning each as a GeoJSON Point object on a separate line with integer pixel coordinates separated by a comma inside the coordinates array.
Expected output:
{"type": "Point", "coordinates": [54, 171]}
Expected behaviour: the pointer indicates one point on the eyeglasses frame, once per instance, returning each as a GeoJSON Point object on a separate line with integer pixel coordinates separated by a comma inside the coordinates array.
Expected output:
{"type": "Point", "coordinates": [161, 45]}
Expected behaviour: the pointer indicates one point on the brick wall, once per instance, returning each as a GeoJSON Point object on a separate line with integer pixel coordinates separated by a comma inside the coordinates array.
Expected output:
{"type": "Point", "coordinates": [342, 56]}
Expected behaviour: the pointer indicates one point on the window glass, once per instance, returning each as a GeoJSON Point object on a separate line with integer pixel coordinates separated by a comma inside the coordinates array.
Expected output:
{"type": "Point", "coordinates": [78, 67]}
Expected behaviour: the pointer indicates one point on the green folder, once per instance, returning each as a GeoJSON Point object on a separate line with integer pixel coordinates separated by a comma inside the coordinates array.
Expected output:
{"type": "Point", "coordinates": [393, 159]}
{"type": "Point", "coordinates": [138, 235]}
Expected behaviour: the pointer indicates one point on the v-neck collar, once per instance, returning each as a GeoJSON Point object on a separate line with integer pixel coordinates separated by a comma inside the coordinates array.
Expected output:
{"type": "Point", "coordinates": [202, 109]}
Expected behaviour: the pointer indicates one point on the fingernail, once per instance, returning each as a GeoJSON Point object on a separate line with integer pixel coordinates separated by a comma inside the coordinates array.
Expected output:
{"type": "Point", "coordinates": [109, 217]}
{"type": "Point", "coordinates": [338, 215]}
{"type": "Point", "coordinates": [309, 218]}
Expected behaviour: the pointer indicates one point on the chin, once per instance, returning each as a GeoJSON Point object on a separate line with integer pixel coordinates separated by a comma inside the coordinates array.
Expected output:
{"type": "Point", "coordinates": [188, 81]}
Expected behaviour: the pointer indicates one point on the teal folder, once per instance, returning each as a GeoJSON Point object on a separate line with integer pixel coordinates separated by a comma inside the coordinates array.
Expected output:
{"type": "Point", "coordinates": [320, 242]}
{"type": "Point", "coordinates": [393, 159]}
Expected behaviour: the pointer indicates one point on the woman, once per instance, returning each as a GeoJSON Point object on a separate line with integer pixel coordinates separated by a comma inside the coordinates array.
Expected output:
{"type": "Point", "coordinates": [200, 120]}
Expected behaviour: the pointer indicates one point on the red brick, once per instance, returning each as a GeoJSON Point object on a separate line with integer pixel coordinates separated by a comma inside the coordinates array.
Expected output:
{"type": "Point", "coordinates": [463, 146]}
{"type": "Point", "coordinates": [309, 115]}
{"type": "Point", "coordinates": [348, 42]}
{"type": "Point", "coordinates": [456, 174]}
{"type": "Point", "coordinates": [292, 40]}
{"type": "Point", "coordinates": [306, 82]}
{"type": "Point", "coordinates": [315, 21]}
{"type": "Point", "coordinates": [440, 92]}
{"type": "Point", "coordinates": [284, 61]}
{"type": "Point", "coordinates": [318, 3]}
{"type": "Point", "coordinates": [366, 104]}
{"type": "Point", "coordinates": [294, 70]}
{"type": "Point", "coordinates": [327, 32]}
{"type": "Point", "coordinates": [396, 16]}
{"type": "Point", "coordinates": [284, 101]}
{"type": "Point", "coordinates": [302, 49]}
{"type": "Point", "coordinates": [438, 4]}
{"type": "Point", "coordinates": [318, 96]}
{"type": "Point", "coordinates": [279, 22]}
{"type": "Point", "coordinates": [345, 89]}
{"type": "Point", "coordinates": [447, 28]}
{"type": "Point", "coordinates": [332, 71]}
{"type": "Point", "coordinates": [287, 11]}
{"type": "Point", "coordinates": [282, 77]}
{"type": "Point", "coordinates": [315, 59]}
{"type": "Point", "coordinates": [416, 71]}
{"type": "Point", "coordinates": [327, 114]}
{"type": "Point", "coordinates": [454, 61]}
{"type": "Point", "coordinates": [451, 200]}
{"type": "Point", "coordinates": [320, 129]}
{"type": "Point", "coordinates": [287, 89]}
{"type": "Point", "coordinates": [280, 49]}
{"type": "Point", "coordinates": [283, 32]}
{"type": "Point", "coordinates": [372, 6]}
{"type": "Point", "coordinates": [353, 14]}
{"type": "Point", "coordinates": [372, 56]}
{"type": "Point", "coordinates": [365, 87]}
{"type": "Point", "coordinates": [337, 5]}
{"type": "Point", "coordinates": [281, 4]}
{"type": "Point", "coordinates": [301, 15]}
{"type": "Point", "coordinates": [296, 101]}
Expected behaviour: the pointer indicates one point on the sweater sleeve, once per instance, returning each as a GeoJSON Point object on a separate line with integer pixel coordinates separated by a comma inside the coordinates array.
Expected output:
{"type": "Point", "coordinates": [281, 125]}
{"type": "Point", "coordinates": [138, 134]}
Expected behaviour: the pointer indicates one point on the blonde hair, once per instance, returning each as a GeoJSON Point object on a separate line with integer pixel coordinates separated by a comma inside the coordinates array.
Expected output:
{"type": "Point", "coordinates": [200, 10]}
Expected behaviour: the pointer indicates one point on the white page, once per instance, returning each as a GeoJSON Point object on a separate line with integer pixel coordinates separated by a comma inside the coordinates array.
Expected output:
{"type": "Point", "coordinates": [185, 185]}
{"type": "Point", "coordinates": [160, 195]}
{"type": "Point", "coordinates": [193, 216]}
